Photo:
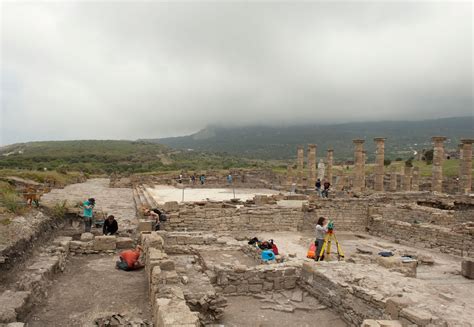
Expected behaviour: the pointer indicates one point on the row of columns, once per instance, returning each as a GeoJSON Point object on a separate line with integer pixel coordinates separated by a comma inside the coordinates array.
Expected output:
{"type": "Point", "coordinates": [410, 179]}
{"type": "Point", "coordinates": [311, 166]}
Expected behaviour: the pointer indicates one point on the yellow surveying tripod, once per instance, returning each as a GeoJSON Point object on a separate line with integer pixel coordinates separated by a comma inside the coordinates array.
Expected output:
{"type": "Point", "coordinates": [327, 244]}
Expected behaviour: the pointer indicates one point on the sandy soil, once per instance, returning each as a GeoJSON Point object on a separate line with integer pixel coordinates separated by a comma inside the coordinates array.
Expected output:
{"type": "Point", "coordinates": [246, 311]}
{"type": "Point", "coordinates": [90, 288]}
{"type": "Point", "coordinates": [165, 193]}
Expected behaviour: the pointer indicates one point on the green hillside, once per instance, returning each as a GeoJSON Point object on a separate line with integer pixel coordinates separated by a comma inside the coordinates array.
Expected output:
{"type": "Point", "coordinates": [97, 157]}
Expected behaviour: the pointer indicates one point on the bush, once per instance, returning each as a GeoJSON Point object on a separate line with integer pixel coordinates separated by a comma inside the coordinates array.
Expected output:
{"type": "Point", "coordinates": [387, 162]}
{"type": "Point", "coordinates": [59, 210]}
{"type": "Point", "coordinates": [428, 156]}
{"type": "Point", "coordinates": [12, 202]}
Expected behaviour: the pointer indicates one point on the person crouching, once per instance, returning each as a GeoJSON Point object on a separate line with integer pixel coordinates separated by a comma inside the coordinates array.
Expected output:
{"type": "Point", "coordinates": [110, 226]}
{"type": "Point", "coordinates": [129, 259]}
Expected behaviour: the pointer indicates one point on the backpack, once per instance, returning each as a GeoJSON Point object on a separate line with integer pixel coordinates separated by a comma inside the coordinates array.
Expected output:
{"type": "Point", "coordinates": [163, 217]}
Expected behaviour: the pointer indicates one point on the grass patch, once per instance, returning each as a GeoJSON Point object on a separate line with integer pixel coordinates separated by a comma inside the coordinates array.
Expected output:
{"type": "Point", "coordinates": [59, 210]}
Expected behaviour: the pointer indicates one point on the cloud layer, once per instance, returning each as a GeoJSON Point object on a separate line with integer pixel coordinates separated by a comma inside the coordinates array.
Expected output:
{"type": "Point", "coordinates": [123, 70]}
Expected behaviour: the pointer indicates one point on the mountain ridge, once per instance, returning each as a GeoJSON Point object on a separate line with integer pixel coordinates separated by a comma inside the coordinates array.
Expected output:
{"type": "Point", "coordinates": [280, 142]}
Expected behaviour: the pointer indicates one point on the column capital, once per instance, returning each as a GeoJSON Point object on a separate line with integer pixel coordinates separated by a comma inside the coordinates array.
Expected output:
{"type": "Point", "coordinates": [300, 147]}
{"type": "Point", "coordinates": [438, 138]}
{"type": "Point", "coordinates": [312, 146]}
{"type": "Point", "coordinates": [467, 141]}
{"type": "Point", "coordinates": [330, 150]}
{"type": "Point", "coordinates": [358, 141]}
{"type": "Point", "coordinates": [380, 139]}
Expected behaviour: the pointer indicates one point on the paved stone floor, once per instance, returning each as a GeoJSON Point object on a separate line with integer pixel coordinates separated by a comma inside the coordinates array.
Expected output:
{"type": "Point", "coordinates": [112, 201]}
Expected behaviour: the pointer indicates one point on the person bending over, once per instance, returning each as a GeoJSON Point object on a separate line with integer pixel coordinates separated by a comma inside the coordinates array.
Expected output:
{"type": "Point", "coordinates": [129, 259]}
{"type": "Point", "coordinates": [321, 230]}
{"type": "Point", "coordinates": [110, 226]}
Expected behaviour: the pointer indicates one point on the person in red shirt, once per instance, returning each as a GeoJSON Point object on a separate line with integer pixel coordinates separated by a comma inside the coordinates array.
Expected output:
{"type": "Point", "coordinates": [129, 259]}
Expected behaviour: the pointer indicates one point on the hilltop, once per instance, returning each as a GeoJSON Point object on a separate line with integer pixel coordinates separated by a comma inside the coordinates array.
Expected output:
{"type": "Point", "coordinates": [266, 142]}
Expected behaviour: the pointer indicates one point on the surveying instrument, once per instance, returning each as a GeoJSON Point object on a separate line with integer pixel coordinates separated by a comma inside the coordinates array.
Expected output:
{"type": "Point", "coordinates": [327, 244]}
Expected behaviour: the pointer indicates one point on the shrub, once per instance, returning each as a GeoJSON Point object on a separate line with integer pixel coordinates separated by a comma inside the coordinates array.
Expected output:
{"type": "Point", "coordinates": [387, 162]}
{"type": "Point", "coordinates": [59, 210]}
{"type": "Point", "coordinates": [12, 202]}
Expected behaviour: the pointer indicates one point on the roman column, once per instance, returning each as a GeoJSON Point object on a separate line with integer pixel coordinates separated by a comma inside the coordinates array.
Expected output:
{"type": "Point", "coordinates": [406, 180]}
{"type": "Point", "coordinates": [393, 179]}
{"type": "Point", "coordinates": [359, 177]}
{"type": "Point", "coordinates": [465, 171]}
{"type": "Point", "coordinates": [415, 180]}
{"type": "Point", "coordinates": [311, 165]}
{"type": "Point", "coordinates": [438, 156]}
{"type": "Point", "coordinates": [330, 160]}
{"type": "Point", "coordinates": [300, 166]}
{"type": "Point", "coordinates": [379, 163]}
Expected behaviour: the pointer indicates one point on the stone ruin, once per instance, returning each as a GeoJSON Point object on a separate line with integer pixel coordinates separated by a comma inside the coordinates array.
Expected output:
{"type": "Point", "coordinates": [201, 271]}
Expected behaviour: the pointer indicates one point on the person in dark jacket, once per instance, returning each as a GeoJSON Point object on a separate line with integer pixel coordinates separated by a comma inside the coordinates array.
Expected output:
{"type": "Point", "coordinates": [110, 226]}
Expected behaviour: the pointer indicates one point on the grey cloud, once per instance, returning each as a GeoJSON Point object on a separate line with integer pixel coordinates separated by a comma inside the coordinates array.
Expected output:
{"type": "Point", "coordinates": [74, 70]}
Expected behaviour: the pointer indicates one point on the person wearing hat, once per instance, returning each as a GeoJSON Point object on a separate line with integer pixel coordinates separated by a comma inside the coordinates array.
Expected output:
{"type": "Point", "coordinates": [88, 214]}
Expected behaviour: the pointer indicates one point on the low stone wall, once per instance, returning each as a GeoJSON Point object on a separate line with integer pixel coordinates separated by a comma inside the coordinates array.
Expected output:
{"type": "Point", "coordinates": [457, 241]}
{"type": "Point", "coordinates": [243, 280]}
{"type": "Point", "coordinates": [347, 214]}
{"type": "Point", "coordinates": [362, 291]}
{"type": "Point", "coordinates": [34, 281]}
{"type": "Point", "coordinates": [90, 244]}
{"type": "Point", "coordinates": [216, 217]}
{"type": "Point", "coordinates": [171, 306]}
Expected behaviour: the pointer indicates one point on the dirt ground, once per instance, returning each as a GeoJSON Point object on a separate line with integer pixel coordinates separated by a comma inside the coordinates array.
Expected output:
{"type": "Point", "coordinates": [246, 311]}
{"type": "Point", "coordinates": [90, 288]}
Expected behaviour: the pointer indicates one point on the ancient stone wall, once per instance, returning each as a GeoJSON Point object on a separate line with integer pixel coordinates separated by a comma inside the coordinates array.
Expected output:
{"type": "Point", "coordinates": [257, 178]}
{"type": "Point", "coordinates": [347, 214]}
{"type": "Point", "coordinates": [362, 291]}
{"type": "Point", "coordinates": [458, 241]}
{"type": "Point", "coordinates": [214, 217]}
{"type": "Point", "coordinates": [244, 280]}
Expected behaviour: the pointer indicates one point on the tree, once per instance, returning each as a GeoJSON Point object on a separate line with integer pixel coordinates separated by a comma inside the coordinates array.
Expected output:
{"type": "Point", "coordinates": [387, 162]}
{"type": "Point", "coordinates": [428, 156]}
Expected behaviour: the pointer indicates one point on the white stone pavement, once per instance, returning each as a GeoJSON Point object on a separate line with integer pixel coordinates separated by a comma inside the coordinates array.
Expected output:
{"type": "Point", "coordinates": [112, 201]}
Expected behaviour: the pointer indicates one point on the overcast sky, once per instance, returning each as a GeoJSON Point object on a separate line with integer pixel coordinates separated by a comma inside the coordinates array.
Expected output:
{"type": "Point", "coordinates": [123, 70]}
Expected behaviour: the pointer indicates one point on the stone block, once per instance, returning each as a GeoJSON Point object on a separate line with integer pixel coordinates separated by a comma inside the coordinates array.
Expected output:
{"type": "Point", "coordinates": [389, 323]}
{"type": "Point", "coordinates": [370, 323]}
{"type": "Point", "coordinates": [416, 316]}
{"type": "Point", "coordinates": [13, 305]}
{"type": "Point", "coordinates": [171, 206]}
{"type": "Point", "coordinates": [145, 225]}
{"type": "Point", "coordinates": [86, 237]}
{"type": "Point", "coordinates": [467, 268]}
{"type": "Point", "coordinates": [394, 305]}
{"type": "Point", "coordinates": [103, 243]}
{"type": "Point", "coordinates": [152, 240]}
{"type": "Point", "coordinates": [167, 265]}
{"type": "Point", "coordinates": [124, 243]}
{"type": "Point", "coordinates": [255, 288]}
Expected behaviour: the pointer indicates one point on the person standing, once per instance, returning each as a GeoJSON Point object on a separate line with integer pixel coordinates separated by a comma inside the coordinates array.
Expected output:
{"type": "Point", "coordinates": [202, 179]}
{"type": "Point", "coordinates": [327, 185]}
{"type": "Point", "coordinates": [110, 226]}
{"type": "Point", "coordinates": [229, 179]}
{"type": "Point", "coordinates": [318, 187]}
{"type": "Point", "coordinates": [321, 230]}
{"type": "Point", "coordinates": [88, 214]}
